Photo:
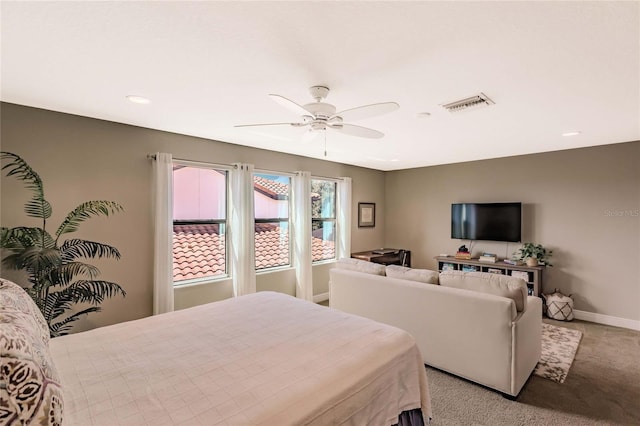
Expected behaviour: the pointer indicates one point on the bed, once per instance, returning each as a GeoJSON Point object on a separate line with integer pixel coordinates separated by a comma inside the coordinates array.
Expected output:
{"type": "Point", "coordinates": [264, 359]}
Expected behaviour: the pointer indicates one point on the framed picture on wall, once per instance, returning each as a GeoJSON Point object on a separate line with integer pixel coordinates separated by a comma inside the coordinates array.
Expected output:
{"type": "Point", "coordinates": [366, 215]}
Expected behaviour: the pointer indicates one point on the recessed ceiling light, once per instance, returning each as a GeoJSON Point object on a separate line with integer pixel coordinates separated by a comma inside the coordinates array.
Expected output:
{"type": "Point", "coordinates": [423, 114]}
{"type": "Point", "coordinates": [571, 133]}
{"type": "Point", "coordinates": [138, 99]}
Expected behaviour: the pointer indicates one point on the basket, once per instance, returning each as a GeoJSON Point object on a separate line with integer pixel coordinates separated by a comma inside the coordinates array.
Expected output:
{"type": "Point", "coordinates": [559, 306]}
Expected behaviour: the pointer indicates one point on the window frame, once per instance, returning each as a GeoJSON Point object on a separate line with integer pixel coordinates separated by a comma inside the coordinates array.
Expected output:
{"type": "Point", "coordinates": [333, 219]}
{"type": "Point", "coordinates": [227, 210]}
{"type": "Point", "coordinates": [272, 220]}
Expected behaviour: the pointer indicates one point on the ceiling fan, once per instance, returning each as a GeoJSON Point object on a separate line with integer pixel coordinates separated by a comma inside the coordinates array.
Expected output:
{"type": "Point", "coordinates": [320, 115]}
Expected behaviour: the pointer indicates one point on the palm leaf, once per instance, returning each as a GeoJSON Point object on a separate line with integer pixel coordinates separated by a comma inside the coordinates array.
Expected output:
{"type": "Point", "coordinates": [65, 273]}
{"type": "Point", "coordinates": [19, 168]}
{"type": "Point", "coordinates": [75, 248]}
{"type": "Point", "coordinates": [56, 304]}
{"type": "Point", "coordinates": [34, 259]}
{"type": "Point", "coordinates": [85, 211]}
{"type": "Point", "coordinates": [82, 291]}
{"type": "Point", "coordinates": [21, 237]}
{"type": "Point", "coordinates": [38, 207]}
{"type": "Point", "coordinates": [89, 291]}
{"type": "Point", "coordinates": [63, 327]}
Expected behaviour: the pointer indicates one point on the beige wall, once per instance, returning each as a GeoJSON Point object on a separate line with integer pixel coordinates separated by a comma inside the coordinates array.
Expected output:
{"type": "Point", "coordinates": [82, 159]}
{"type": "Point", "coordinates": [571, 201]}
{"type": "Point", "coordinates": [582, 203]}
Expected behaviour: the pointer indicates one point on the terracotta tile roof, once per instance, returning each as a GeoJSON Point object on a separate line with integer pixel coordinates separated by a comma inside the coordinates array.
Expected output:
{"type": "Point", "coordinates": [271, 188]}
{"type": "Point", "coordinates": [198, 250]}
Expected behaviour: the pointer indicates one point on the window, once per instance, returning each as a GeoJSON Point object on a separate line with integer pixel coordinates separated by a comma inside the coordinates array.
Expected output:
{"type": "Point", "coordinates": [271, 203]}
{"type": "Point", "coordinates": [323, 219]}
{"type": "Point", "coordinates": [199, 223]}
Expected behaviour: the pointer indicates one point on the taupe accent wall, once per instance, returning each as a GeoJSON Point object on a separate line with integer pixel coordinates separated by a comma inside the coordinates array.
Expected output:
{"type": "Point", "coordinates": [582, 203]}
{"type": "Point", "coordinates": [82, 159]}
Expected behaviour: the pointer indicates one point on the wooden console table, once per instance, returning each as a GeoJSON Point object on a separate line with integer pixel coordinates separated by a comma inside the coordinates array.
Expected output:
{"type": "Point", "coordinates": [385, 256]}
{"type": "Point", "coordinates": [534, 273]}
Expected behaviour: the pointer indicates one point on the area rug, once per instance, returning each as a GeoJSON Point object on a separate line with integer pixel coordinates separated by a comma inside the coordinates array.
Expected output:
{"type": "Point", "coordinates": [559, 346]}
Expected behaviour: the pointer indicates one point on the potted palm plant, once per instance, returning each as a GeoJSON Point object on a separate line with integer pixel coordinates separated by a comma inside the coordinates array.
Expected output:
{"type": "Point", "coordinates": [58, 277]}
{"type": "Point", "coordinates": [533, 254]}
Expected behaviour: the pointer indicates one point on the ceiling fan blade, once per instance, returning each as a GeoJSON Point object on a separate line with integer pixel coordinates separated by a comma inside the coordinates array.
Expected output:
{"type": "Point", "coordinates": [353, 130]}
{"type": "Point", "coordinates": [290, 105]}
{"type": "Point", "coordinates": [272, 124]}
{"type": "Point", "coordinates": [366, 111]}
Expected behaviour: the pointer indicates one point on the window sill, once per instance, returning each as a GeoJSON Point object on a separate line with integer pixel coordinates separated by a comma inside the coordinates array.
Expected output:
{"type": "Point", "coordinates": [274, 270]}
{"type": "Point", "coordinates": [324, 262]}
{"type": "Point", "coordinates": [201, 281]}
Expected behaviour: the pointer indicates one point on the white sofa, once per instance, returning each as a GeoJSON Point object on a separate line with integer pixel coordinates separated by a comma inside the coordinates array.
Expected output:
{"type": "Point", "coordinates": [474, 334]}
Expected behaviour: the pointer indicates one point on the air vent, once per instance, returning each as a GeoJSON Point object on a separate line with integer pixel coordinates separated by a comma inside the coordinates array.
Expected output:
{"type": "Point", "coordinates": [472, 102]}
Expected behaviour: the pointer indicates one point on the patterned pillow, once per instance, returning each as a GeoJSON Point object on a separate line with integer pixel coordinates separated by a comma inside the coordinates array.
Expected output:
{"type": "Point", "coordinates": [14, 298]}
{"type": "Point", "coordinates": [30, 391]}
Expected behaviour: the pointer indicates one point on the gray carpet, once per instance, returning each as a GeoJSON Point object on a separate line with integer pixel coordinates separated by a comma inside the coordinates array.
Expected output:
{"type": "Point", "coordinates": [602, 388]}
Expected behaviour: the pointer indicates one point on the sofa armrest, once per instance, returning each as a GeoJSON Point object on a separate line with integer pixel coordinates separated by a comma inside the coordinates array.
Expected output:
{"type": "Point", "coordinates": [526, 343]}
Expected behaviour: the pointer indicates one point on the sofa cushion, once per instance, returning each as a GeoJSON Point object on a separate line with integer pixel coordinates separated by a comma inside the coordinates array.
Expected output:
{"type": "Point", "coordinates": [499, 285]}
{"type": "Point", "coordinates": [360, 266]}
{"type": "Point", "coordinates": [30, 390]}
{"type": "Point", "coordinates": [421, 275]}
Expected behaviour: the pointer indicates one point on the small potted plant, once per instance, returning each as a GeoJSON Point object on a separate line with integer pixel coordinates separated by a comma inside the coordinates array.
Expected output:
{"type": "Point", "coordinates": [533, 254]}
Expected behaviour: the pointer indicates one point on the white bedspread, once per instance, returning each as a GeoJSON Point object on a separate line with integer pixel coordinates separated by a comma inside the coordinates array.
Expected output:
{"type": "Point", "coordinates": [264, 359]}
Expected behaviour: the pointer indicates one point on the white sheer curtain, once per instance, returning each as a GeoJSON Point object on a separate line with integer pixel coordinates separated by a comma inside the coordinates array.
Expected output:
{"type": "Point", "coordinates": [163, 234]}
{"type": "Point", "coordinates": [242, 229]}
{"type": "Point", "coordinates": [343, 208]}
{"type": "Point", "coordinates": [301, 227]}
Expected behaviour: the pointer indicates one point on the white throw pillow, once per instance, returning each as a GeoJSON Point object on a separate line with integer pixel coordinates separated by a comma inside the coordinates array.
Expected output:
{"type": "Point", "coordinates": [421, 275]}
{"type": "Point", "coordinates": [361, 266]}
{"type": "Point", "coordinates": [484, 282]}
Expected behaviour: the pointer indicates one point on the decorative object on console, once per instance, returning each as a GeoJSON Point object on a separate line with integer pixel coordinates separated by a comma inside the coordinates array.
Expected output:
{"type": "Point", "coordinates": [559, 306]}
{"type": "Point", "coordinates": [366, 215]}
{"type": "Point", "coordinates": [58, 278]}
{"type": "Point", "coordinates": [463, 253]}
{"type": "Point", "coordinates": [488, 257]}
{"type": "Point", "coordinates": [533, 254]}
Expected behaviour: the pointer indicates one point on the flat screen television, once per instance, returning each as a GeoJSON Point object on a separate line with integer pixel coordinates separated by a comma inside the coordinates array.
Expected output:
{"type": "Point", "coordinates": [487, 221]}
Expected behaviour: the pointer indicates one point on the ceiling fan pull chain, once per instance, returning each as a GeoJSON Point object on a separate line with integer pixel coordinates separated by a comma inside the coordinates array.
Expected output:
{"type": "Point", "coordinates": [325, 142]}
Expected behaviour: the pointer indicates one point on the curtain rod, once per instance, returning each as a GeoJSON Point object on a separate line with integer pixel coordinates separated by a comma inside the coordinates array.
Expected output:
{"type": "Point", "coordinates": [153, 157]}
{"type": "Point", "coordinates": [194, 162]}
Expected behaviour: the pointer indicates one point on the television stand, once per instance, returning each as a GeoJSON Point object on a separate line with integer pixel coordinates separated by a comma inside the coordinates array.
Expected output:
{"type": "Point", "coordinates": [533, 273]}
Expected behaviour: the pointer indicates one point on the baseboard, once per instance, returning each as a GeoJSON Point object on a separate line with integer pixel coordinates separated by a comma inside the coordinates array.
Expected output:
{"type": "Point", "coordinates": [317, 298]}
{"type": "Point", "coordinates": [607, 320]}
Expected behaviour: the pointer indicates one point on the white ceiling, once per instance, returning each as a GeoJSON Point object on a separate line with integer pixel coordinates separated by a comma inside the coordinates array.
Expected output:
{"type": "Point", "coordinates": [550, 68]}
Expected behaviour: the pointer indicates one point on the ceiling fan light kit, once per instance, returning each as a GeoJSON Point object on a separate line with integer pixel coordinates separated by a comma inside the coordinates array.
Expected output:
{"type": "Point", "coordinates": [320, 115]}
